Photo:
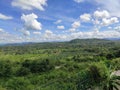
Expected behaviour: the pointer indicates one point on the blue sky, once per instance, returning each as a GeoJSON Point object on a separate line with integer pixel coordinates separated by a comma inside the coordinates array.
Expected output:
{"type": "Point", "coordinates": [58, 20]}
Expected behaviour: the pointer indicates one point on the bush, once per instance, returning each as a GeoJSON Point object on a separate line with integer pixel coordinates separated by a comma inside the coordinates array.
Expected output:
{"type": "Point", "coordinates": [78, 58]}
{"type": "Point", "coordinates": [19, 84]}
{"type": "Point", "coordinates": [41, 66]}
{"type": "Point", "coordinates": [98, 72]}
{"type": "Point", "coordinates": [6, 69]}
{"type": "Point", "coordinates": [37, 66]}
{"type": "Point", "coordinates": [23, 71]}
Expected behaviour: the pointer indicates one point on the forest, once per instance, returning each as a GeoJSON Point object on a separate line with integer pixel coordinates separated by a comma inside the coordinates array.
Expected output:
{"type": "Point", "coordinates": [79, 64]}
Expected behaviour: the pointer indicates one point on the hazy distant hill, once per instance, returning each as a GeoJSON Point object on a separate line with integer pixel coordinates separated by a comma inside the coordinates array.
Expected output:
{"type": "Point", "coordinates": [74, 41]}
{"type": "Point", "coordinates": [94, 40]}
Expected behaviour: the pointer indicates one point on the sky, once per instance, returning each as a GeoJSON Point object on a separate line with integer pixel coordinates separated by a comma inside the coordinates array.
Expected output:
{"type": "Point", "coordinates": [58, 20]}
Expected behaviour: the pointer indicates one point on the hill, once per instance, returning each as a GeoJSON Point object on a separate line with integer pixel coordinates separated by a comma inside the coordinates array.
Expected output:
{"type": "Point", "coordinates": [88, 40]}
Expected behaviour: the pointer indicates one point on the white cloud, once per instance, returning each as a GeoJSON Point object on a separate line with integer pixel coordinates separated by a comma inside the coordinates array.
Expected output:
{"type": "Point", "coordinates": [85, 17]}
{"type": "Point", "coordinates": [109, 27]}
{"type": "Point", "coordinates": [106, 22]}
{"type": "Point", "coordinates": [60, 27]}
{"type": "Point", "coordinates": [78, 1]}
{"type": "Point", "coordinates": [25, 32]}
{"type": "Point", "coordinates": [76, 35]}
{"type": "Point", "coordinates": [30, 4]}
{"type": "Point", "coordinates": [96, 21]}
{"type": "Point", "coordinates": [110, 21]}
{"type": "Point", "coordinates": [4, 17]}
{"type": "Point", "coordinates": [6, 37]}
{"type": "Point", "coordinates": [92, 34]}
{"type": "Point", "coordinates": [108, 34]}
{"type": "Point", "coordinates": [101, 14]}
{"type": "Point", "coordinates": [103, 18]}
{"type": "Point", "coordinates": [58, 21]}
{"type": "Point", "coordinates": [37, 33]}
{"type": "Point", "coordinates": [109, 5]}
{"type": "Point", "coordinates": [1, 30]}
{"type": "Point", "coordinates": [114, 20]}
{"type": "Point", "coordinates": [31, 22]}
{"type": "Point", "coordinates": [72, 30]}
{"type": "Point", "coordinates": [76, 24]}
{"type": "Point", "coordinates": [117, 28]}
{"type": "Point", "coordinates": [50, 36]}
{"type": "Point", "coordinates": [48, 33]}
{"type": "Point", "coordinates": [112, 6]}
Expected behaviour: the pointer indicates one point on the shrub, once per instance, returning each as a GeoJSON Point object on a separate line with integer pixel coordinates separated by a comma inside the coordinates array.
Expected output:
{"type": "Point", "coordinates": [6, 69]}
{"type": "Point", "coordinates": [23, 71]}
{"type": "Point", "coordinates": [37, 66]}
{"type": "Point", "coordinates": [19, 83]}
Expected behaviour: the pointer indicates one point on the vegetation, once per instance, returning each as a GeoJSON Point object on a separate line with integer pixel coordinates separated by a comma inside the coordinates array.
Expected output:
{"type": "Point", "coordinates": [75, 65]}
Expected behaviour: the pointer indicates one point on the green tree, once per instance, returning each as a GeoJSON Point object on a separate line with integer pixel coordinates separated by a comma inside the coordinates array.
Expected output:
{"type": "Point", "coordinates": [6, 69]}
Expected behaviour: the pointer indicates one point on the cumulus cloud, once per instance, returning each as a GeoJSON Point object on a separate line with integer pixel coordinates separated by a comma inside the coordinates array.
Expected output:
{"type": "Point", "coordinates": [103, 18]}
{"type": "Point", "coordinates": [30, 4]}
{"type": "Point", "coordinates": [110, 5]}
{"type": "Point", "coordinates": [99, 19]}
{"type": "Point", "coordinates": [110, 21]}
{"type": "Point", "coordinates": [58, 21]}
{"type": "Point", "coordinates": [95, 21]}
{"type": "Point", "coordinates": [72, 30]}
{"type": "Point", "coordinates": [76, 24]}
{"type": "Point", "coordinates": [117, 28]}
{"type": "Point", "coordinates": [101, 14]}
{"type": "Point", "coordinates": [6, 37]}
{"type": "Point", "coordinates": [85, 17]}
{"type": "Point", "coordinates": [106, 22]}
{"type": "Point", "coordinates": [92, 34]}
{"type": "Point", "coordinates": [1, 30]}
{"type": "Point", "coordinates": [25, 32]}
{"type": "Point", "coordinates": [4, 17]}
{"type": "Point", "coordinates": [37, 33]}
{"type": "Point", "coordinates": [61, 27]}
{"type": "Point", "coordinates": [30, 22]}
{"type": "Point", "coordinates": [114, 20]}
{"type": "Point", "coordinates": [78, 1]}
{"type": "Point", "coordinates": [48, 34]}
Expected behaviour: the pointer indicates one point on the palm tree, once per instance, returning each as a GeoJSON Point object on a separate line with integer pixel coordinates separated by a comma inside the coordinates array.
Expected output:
{"type": "Point", "coordinates": [112, 82]}
{"type": "Point", "coordinates": [104, 78]}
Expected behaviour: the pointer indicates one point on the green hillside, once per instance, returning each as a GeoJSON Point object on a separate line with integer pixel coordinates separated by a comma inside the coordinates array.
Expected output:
{"type": "Point", "coordinates": [79, 64]}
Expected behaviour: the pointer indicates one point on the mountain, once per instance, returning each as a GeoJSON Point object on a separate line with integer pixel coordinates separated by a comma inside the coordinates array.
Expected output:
{"type": "Point", "coordinates": [88, 40]}
{"type": "Point", "coordinates": [113, 39]}
{"type": "Point", "coordinates": [16, 44]}
{"type": "Point", "coordinates": [74, 41]}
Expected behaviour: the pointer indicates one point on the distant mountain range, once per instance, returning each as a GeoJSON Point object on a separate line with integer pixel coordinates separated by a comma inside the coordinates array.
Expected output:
{"type": "Point", "coordinates": [16, 44]}
{"type": "Point", "coordinates": [116, 39]}
{"type": "Point", "coordinates": [71, 41]}
{"type": "Point", "coordinates": [88, 40]}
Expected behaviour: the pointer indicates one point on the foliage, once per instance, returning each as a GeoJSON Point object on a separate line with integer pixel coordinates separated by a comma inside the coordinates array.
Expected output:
{"type": "Point", "coordinates": [75, 65]}
{"type": "Point", "coordinates": [6, 69]}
